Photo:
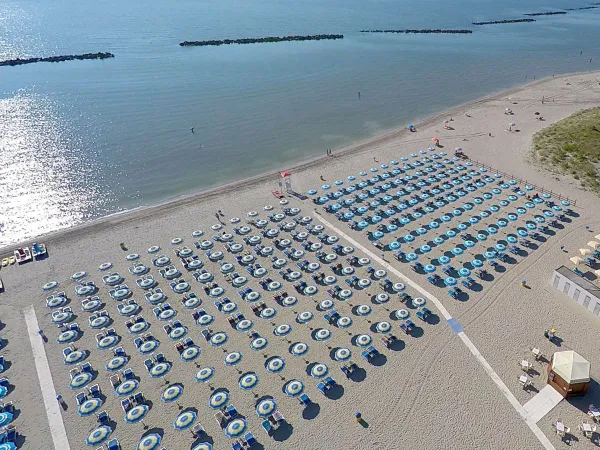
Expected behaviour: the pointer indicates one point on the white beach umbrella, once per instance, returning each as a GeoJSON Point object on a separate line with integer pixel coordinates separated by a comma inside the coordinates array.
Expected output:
{"type": "Point", "coordinates": [576, 260]}
{"type": "Point", "coordinates": [585, 251]}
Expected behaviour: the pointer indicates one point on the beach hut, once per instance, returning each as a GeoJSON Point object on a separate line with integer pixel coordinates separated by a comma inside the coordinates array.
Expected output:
{"type": "Point", "coordinates": [585, 251]}
{"type": "Point", "coordinates": [569, 373]}
{"type": "Point", "coordinates": [595, 245]}
{"type": "Point", "coordinates": [576, 260]}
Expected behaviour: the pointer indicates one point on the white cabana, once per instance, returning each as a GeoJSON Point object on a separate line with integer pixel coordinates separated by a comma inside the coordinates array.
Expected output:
{"type": "Point", "coordinates": [595, 245]}
{"type": "Point", "coordinates": [576, 260]}
{"type": "Point", "coordinates": [571, 367]}
{"type": "Point", "coordinates": [585, 251]}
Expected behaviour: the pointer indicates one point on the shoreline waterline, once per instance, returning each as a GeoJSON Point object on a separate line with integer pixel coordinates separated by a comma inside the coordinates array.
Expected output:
{"type": "Point", "coordinates": [357, 147]}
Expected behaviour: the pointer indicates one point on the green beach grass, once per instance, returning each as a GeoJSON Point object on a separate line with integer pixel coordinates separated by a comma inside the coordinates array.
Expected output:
{"type": "Point", "coordinates": [572, 147]}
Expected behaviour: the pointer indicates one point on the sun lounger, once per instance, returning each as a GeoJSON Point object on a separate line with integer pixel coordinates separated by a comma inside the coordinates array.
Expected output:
{"type": "Point", "coordinates": [103, 418]}
{"type": "Point", "coordinates": [113, 444]}
{"type": "Point", "coordinates": [80, 398]}
{"type": "Point", "coordinates": [95, 391]}
{"type": "Point", "coordinates": [221, 419]}
{"type": "Point", "coordinates": [198, 431]}
{"type": "Point", "coordinates": [128, 374]}
{"type": "Point", "coordinates": [304, 400]}
{"type": "Point", "coordinates": [267, 426]}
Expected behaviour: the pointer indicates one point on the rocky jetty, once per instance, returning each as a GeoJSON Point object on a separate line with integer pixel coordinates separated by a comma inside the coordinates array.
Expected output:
{"type": "Point", "coordinates": [316, 37]}
{"type": "Point", "coordinates": [494, 22]}
{"type": "Point", "coordinates": [553, 13]}
{"type": "Point", "coordinates": [425, 31]}
{"type": "Point", "coordinates": [19, 61]}
{"type": "Point", "coordinates": [583, 7]}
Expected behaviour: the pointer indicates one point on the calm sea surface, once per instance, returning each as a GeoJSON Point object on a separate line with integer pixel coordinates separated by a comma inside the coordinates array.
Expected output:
{"type": "Point", "coordinates": [83, 139]}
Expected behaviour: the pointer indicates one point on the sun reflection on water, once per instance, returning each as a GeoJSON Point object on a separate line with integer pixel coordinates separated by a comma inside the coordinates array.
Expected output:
{"type": "Point", "coordinates": [45, 183]}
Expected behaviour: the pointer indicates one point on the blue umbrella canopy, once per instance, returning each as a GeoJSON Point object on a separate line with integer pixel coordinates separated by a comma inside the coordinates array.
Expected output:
{"type": "Point", "coordinates": [136, 414]}
{"type": "Point", "coordinates": [159, 370]}
{"type": "Point", "coordinates": [363, 310]}
{"type": "Point", "coordinates": [172, 393]}
{"type": "Point", "coordinates": [85, 409]}
{"type": "Point", "coordinates": [294, 388]}
{"type": "Point", "coordinates": [266, 407]}
{"type": "Point", "coordinates": [80, 380]}
{"type": "Point", "coordinates": [235, 428]}
{"type": "Point", "coordinates": [218, 399]}
{"type": "Point", "coordinates": [184, 420]}
{"type": "Point", "coordinates": [190, 353]}
{"type": "Point", "coordinates": [248, 380]}
{"type": "Point", "coordinates": [259, 344]}
{"type": "Point", "coordinates": [149, 442]}
{"type": "Point", "coordinates": [275, 365]}
{"type": "Point", "coordinates": [450, 281]}
{"type": "Point", "coordinates": [477, 263]}
{"type": "Point", "coordinates": [218, 339]}
{"type": "Point", "coordinates": [231, 359]}
{"type": "Point", "coordinates": [443, 260]}
{"type": "Point", "coordinates": [204, 375]}
{"type": "Point", "coordinates": [127, 387]}
{"type": "Point", "coordinates": [5, 418]}
{"type": "Point", "coordinates": [319, 370]}
{"type": "Point", "coordinates": [457, 251]}
{"type": "Point", "coordinates": [464, 272]}
{"type": "Point", "coordinates": [98, 435]}
{"type": "Point", "coordinates": [342, 354]}
{"type": "Point", "coordinates": [363, 340]}
{"type": "Point", "coordinates": [299, 349]}
{"type": "Point", "coordinates": [116, 363]}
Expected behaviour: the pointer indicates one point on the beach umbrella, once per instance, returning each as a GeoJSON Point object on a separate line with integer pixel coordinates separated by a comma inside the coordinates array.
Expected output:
{"type": "Point", "coordinates": [576, 260]}
{"type": "Point", "coordinates": [500, 247]}
{"type": "Point", "coordinates": [275, 365]}
{"type": "Point", "coordinates": [148, 347]}
{"type": "Point", "coordinates": [457, 251]}
{"type": "Point", "coordinates": [429, 268]}
{"type": "Point", "coordinates": [489, 255]}
{"type": "Point", "coordinates": [136, 414]}
{"type": "Point", "coordinates": [511, 239]}
{"type": "Point", "coordinates": [412, 257]}
{"type": "Point", "coordinates": [218, 339]}
{"type": "Point", "coordinates": [364, 340]}
{"type": "Point", "coordinates": [218, 399]}
{"type": "Point", "coordinates": [159, 370]}
{"type": "Point", "coordinates": [342, 354]}
{"type": "Point", "coordinates": [585, 251]}
{"type": "Point", "coordinates": [319, 370]}
{"type": "Point", "coordinates": [85, 409]}
{"type": "Point", "coordinates": [344, 322]}
{"type": "Point", "coordinates": [75, 357]}
{"type": "Point", "coordinates": [98, 435]}
{"type": "Point", "coordinates": [425, 248]}
{"type": "Point", "coordinates": [443, 260]}
{"type": "Point", "coordinates": [464, 272]}
{"type": "Point", "coordinates": [409, 238]}
{"type": "Point", "coordinates": [398, 287]}
{"type": "Point", "coordinates": [184, 420]}
{"type": "Point", "coordinates": [451, 233]}
{"type": "Point", "coordinates": [383, 327]}
{"type": "Point", "coordinates": [231, 359]}
{"type": "Point", "coordinates": [593, 244]}
{"type": "Point", "coordinates": [266, 407]}
{"type": "Point", "coordinates": [521, 232]}
{"type": "Point", "coordinates": [421, 231]}
{"type": "Point", "coordinates": [235, 428]}
{"type": "Point", "coordinates": [282, 330]}
{"type": "Point", "coordinates": [248, 381]}
{"type": "Point", "coordinates": [469, 244]}
{"type": "Point", "coordinates": [204, 375]}
{"type": "Point", "coordinates": [481, 237]}
{"type": "Point", "coordinates": [363, 310]}
{"type": "Point", "coordinates": [322, 335]}
{"type": "Point", "coordinates": [304, 317]}
{"type": "Point", "coordinates": [50, 285]}
{"type": "Point", "coordinates": [127, 387]}
{"type": "Point", "coordinates": [259, 344]}
{"type": "Point", "coordinates": [190, 353]}
{"type": "Point", "coordinates": [172, 393]}
{"type": "Point", "coordinates": [294, 388]}
{"type": "Point", "coordinates": [418, 302]}
{"type": "Point", "coordinates": [80, 380]}
{"type": "Point", "coordinates": [477, 263]}
{"type": "Point", "coordinates": [402, 314]}
{"type": "Point", "coordinates": [450, 281]}
{"type": "Point", "coordinates": [149, 442]}
{"type": "Point", "coordinates": [299, 349]}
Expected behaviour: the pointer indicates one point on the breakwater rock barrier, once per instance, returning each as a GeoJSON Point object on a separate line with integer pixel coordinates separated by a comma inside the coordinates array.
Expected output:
{"type": "Point", "coordinates": [316, 37]}
{"type": "Point", "coordinates": [426, 31]}
{"type": "Point", "coordinates": [494, 22]}
{"type": "Point", "coordinates": [553, 13]}
{"type": "Point", "coordinates": [19, 61]}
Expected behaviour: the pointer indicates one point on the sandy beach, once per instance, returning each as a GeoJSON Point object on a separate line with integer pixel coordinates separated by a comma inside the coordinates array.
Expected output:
{"type": "Point", "coordinates": [433, 388]}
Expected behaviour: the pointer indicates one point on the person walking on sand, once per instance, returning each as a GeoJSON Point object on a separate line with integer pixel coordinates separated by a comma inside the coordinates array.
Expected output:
{"type": "Point", "coordinates": [322, 179]}
{"type": "Point", "coordinates": [192, 130]}
{"type": "Point", "coordinates": [375, 159]}
{"type": "Point", "coordinates": [359, 91]}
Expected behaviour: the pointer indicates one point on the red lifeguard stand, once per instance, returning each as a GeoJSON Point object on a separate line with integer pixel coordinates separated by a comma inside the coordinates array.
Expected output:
{"type": "Point", "coordinates": [285, 181]}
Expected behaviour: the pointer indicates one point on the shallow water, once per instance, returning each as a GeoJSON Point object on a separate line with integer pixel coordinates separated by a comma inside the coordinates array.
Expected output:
{"type": "Point", "coordinates": [83, 139]}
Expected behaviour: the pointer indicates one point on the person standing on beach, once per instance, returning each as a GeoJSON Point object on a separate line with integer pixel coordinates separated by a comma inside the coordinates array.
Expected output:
{"type": "Point", "coordinates": [192, 130]}
{"type": "Point", "coordinates": [359, 91]}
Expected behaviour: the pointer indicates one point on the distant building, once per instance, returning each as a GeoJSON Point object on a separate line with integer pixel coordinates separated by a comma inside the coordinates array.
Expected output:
{"type": "Point", "coordinates": [578, 288]}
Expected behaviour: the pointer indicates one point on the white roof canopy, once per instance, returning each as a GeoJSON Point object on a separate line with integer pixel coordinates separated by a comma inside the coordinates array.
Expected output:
{"type": "Point", "coordinates": [571, 367]}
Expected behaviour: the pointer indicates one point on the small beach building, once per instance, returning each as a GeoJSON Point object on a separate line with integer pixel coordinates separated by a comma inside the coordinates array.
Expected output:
{"type": "Point", "coordinates": [569, 373]}
{"type": "Point", "coordinates": [577, 288]}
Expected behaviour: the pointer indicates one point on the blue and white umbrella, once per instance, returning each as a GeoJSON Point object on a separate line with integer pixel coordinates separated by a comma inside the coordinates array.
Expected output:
{"type": "Point", "coordinates": [322, 334]}
{"type": "Point", "coordinates": [218, 400]}
{"type": "Point", "coordinates": [511, 239]}
{"type": "Point", "coordinates": [481, 237]}
{"type": "Point", "coordinates": [184, 420]}
{"type": "Point", "coordinates": [248, 381]}
{"type": "Point", "coordinates": [149, 442]}
{"type": "Point", "coordinates": [344, 321]}
{"type": "Point", "coordinates": [127, 387]}
{"type": "Point", "coordinates": [268, 313]}
{"type": "Point", "coordinates": [418, 302]}
{"type": "Point", "coordinates": [521, 232]}
{"type": "Point", "coordinates": [80, 380]}
{"type": "Point", "coordinates": [118, 362]}
{"type": "Point", "coordinates": [304, 317]}
{"type": "Point", "coordinates": [159, 370]}
{"type": "Point", "coordinates": [85, 409]}
{"type": "Point", "coordinates": [148, 347]}
{"type": "Point", "coordinates": [259, 343]}
{"type": "Point", "coordinates": [492, 230]}
{"type": "Point", "coordinates": [464, 272]}
{"type": "Point", "coordinates": [282, 330]}
{"type": "Point", "coordinates": [412, 257]}
{"type": "Point", "coordinates": [233, 358]}
{"type": "Point", "coordinates": [204, 375]}
{"type": "Point", "coordinates": [364, 340]}
{"type": "Point", "coordinates": [363, 310]}
{"type": "Point", "coordinates": [218, 339]}
{"type": "Point", "coordinates": [342, 354]}
{"type": "Point", "coordinates": [299, 349]}
{"type": "Point", "coordinates": [107, 342]}
{"type": "Point", "coordinates": [477, 263]}
{"type": "Point", "coordinates": [98, 435]}
{"type": "Point", "coordinates": [235, 428]}
{"type": "Point", "coordinates": [409, 238]}
{"type": "Point", "coordinates": [443, 260]}
{"type": "Point", "coordinates": [469, 244]}
{"type": "Point", "coordinates": [275, 365]}
{"type": "Point", "coordinates": [190, 353]}
{"type": "Point", "coordinates": [434, 224]}
{"type": "Point", "coordinates": [489, 255]}
{"type": "Point", "coordinates": [50, 285]}
{"type": "Point", "coordinates": [457, 251]}
{"type": "Point", "coordinates": [266, 407]}
{"type": "Point", "coordinates": [294, 388]}
{"type": "Point", "coordinates": [451, 234]}
{"type": "Point", "coordinates": [500, 247]}
{"type": "Point", "coordinates": [425, 248]}
{"type": "Point", "coordinates": [319, 370]}
{"type": "Point", "coordinates": [172, 393]}
{"type": "Point", "coordinates": [75, 357]}
{"type": "Point", "coordinates": [137, 413]}
{"type": "Point", "coordinates": [450, 281]}
{"type": "Point", "coordinates": [402, 314]}
{"type": "Point", "coordinates": [61, 317]}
